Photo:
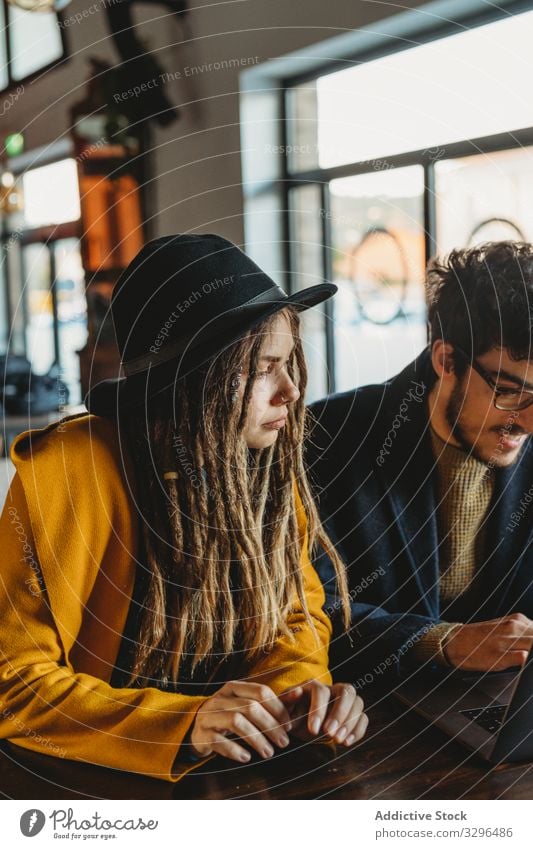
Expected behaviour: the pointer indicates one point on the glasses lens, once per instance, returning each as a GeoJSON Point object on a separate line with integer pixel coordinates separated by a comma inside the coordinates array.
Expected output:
{"type": "Point", "coordinates": [514, 401]}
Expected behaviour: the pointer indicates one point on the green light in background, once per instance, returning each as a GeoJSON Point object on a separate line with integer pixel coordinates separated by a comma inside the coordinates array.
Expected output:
{"type": "Point", "coordinates": [14, 144]}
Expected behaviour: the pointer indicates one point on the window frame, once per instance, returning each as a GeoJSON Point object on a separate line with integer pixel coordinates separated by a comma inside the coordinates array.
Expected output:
{"type": "Point", "coordinates": [60, 61]}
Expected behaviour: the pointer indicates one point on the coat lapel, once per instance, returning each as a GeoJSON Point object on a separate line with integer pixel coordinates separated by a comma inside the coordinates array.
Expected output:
{"type": "Point", "coordinates": [406, 467]}
{"type": "Point", "coordinates": [507, 536]}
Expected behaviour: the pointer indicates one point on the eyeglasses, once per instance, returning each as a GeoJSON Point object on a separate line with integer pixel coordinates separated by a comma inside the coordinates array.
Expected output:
{"type": "Point", "coordinates": [510, 400]}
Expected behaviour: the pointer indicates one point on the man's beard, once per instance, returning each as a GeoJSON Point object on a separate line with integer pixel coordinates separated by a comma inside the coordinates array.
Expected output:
{"type": "Point", "coordinates": [453, 411]}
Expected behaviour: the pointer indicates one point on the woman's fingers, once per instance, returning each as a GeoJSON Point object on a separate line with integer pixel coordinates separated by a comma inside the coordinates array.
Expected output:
{"type": "Point", "coordinates": [319, 696]}
{"type": "Point", "coordinates": [254, 715]}
{"type": "Point", "coordinates": [263, 695]}
{"type": "Point", "coordinates": [248, 711]}
{"type": "Point", "coordinates": [358, 731]}
{"type": "Point", "coordinates": [342, 700]}
{"type": "Point", "coordinates": [351, 727]}
{"type": "Point", "coordinates": [250, 734]}
{"type": "Point", "coordinates": [228, 748]}
{"type": "Point", "coordinates": [345, 729]}
{"type": "Point", "coordinates": [257, 718]}
{"type": "Point", "coordinates": [292, 696]}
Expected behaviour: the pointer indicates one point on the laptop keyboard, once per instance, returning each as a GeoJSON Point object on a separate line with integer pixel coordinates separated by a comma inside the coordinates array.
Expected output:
{"type": "Point", "coordinates": [489, 718]}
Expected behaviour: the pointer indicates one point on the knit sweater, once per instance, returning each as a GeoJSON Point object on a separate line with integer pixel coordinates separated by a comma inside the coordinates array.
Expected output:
{"type": "Point", "coordinates": [464, 491]}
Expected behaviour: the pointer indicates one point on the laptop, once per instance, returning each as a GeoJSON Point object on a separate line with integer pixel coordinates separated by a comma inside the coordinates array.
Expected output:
{"type": "Point", "coordinates": [490, 713]}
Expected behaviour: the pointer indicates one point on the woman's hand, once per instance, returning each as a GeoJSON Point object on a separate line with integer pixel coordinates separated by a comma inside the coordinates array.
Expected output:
{"type": "Point", "coordinates": [336, 711]}
{"type": "Point", "coordinates": [250, 712]}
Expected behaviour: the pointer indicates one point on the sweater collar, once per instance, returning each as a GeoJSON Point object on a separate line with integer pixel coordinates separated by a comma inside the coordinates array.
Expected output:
{"type": "Point", "coordinates": [456, 460]}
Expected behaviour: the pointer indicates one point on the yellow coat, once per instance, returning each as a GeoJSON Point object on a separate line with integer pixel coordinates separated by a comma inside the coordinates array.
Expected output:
{"type": "Point", "coordinates": [68, 536]}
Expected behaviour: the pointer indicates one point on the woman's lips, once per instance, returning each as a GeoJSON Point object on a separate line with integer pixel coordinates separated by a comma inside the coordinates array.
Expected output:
{"type": "Point", "coordinates": [275, 425]}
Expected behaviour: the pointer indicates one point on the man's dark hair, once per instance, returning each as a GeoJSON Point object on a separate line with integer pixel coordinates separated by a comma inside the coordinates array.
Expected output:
{"type": "Point", "coordinates": [482, 297]}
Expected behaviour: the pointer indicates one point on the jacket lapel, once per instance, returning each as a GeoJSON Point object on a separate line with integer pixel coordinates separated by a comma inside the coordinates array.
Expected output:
{"type": "Point", "coordinates": [406, 468]}
{"type": "Point", "coordinates": [507, 536]}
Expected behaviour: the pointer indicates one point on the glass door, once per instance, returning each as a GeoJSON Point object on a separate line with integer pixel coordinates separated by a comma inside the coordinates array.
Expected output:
{"type": "Point", "coordinates": [56, 310]}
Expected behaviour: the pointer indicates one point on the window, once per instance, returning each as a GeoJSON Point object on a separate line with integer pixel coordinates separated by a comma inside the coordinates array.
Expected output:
{"type": "Point", "coordinates": [430, 95]}
{"type": "Point", "coordinates": [51, 194]}
{"type": "Point", "coordinates": [377, 244]}
{"type": "Point", "coordinates": [389, 160]}
{"type": "Point", "coordinates": [30, 43]}
{"type": "Point", "coordinates": [45, 309]}
{"type": "Point", "coordinates": [56, 309]}
{"type": "Point", "coordinates": [480, 198]}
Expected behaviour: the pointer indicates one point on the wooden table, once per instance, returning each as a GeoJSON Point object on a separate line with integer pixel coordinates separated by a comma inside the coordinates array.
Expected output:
{"type": "Point", "coordinates": [400, 758]}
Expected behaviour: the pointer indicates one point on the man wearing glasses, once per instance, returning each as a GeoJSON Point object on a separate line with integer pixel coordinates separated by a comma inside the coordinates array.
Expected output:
{"type": "Point", "coordinates": [426, 482]}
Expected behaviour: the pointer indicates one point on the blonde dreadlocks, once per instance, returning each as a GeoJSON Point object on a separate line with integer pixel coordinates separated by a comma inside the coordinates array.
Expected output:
{"type": "Point", "coordinates": [218, 524]}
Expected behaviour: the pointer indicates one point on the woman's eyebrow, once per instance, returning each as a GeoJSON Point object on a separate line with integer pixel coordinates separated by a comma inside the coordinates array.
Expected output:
{"type": "Point", "coordinates": [273, 359]}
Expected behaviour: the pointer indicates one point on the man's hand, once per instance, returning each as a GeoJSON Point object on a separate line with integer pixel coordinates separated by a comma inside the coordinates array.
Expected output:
{"type": "Point", "coordinates": [250, 714]}
{"type": "Point", "coordinates": [490, 646]}
{"type": "Point", "coordinates": [336, 711]}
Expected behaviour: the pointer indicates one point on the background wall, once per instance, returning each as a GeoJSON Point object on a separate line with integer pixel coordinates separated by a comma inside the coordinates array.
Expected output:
{"type": "Point", "coordinates": [196, 163]}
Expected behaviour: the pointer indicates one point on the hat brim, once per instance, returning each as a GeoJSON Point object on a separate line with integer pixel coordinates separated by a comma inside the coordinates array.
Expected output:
{"type": "Point", "coordinates": [111, 397]}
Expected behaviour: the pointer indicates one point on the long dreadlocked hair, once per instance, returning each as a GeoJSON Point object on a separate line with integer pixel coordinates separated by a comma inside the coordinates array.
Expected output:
{"type": "Point", "coordinates": [218, 524]}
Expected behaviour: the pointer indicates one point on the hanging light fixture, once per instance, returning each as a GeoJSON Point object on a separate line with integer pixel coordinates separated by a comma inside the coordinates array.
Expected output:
{"type": "Point", "coordinates": [40, 5]}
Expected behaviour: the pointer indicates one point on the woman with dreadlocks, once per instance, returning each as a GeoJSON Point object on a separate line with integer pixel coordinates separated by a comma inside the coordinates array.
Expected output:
{"type": "Point", "coordinates": [165, 609]}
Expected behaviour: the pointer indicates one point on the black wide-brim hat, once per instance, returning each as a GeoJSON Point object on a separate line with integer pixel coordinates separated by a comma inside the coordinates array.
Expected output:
{"type": "Point", "coordinates": [182, 300]}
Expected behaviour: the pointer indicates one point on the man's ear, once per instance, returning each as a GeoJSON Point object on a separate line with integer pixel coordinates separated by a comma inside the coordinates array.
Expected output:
{"type": "Point", "coordinates": [442, 359]}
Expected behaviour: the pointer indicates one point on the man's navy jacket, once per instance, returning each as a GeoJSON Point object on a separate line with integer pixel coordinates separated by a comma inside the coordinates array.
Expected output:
{"type": "Point", "coordinates": [373, 473]}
